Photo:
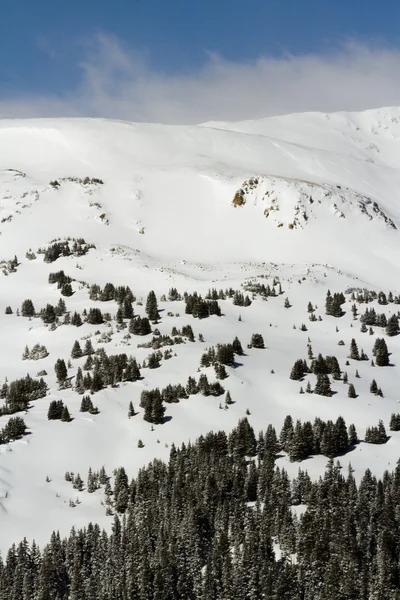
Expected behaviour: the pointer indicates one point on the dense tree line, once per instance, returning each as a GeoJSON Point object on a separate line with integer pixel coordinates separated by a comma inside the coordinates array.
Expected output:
{"type": "Point", "coordinates": [301, 440]}
{"type": "Point", "coordinates": [103, 370]}
{"type": "Point", "coordinates": [12, 430]}
{"type": "Point", "coordinates": [199, 308]}
{"type": "Point", "coordinates": [54, 250]}
{"type": "Point", "coordinates": [18, 394]}
{"type": "Point", "coordinates": [189, 533]}
{"type": "Point", "coordinates": [152, 400]}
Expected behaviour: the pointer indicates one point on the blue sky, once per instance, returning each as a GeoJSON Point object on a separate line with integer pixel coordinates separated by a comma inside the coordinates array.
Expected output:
{"type": "Point", "coordinates": [52, 51]}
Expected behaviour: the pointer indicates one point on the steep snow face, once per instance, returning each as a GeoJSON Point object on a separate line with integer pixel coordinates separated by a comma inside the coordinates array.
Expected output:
{"type": "Point", "coordinates": [312, 199]}
{"type": "Point", "coordinates": [168, 190]}
{"type": "Point", "coordinates": [293, 203]}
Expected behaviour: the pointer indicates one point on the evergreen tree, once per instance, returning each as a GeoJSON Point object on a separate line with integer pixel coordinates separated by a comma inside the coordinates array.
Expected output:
{"type": "Point", "coordinates": [373, 388]}
{"type": "Point", "coordinates": [27, 308]}
{"type": "Point", "coordinates": [351, 391]}
{"type": "Point", "coordinates": [323, 386]}
{"type": "Point", "coordinates": [55, 409]}
{"type": "Point", "coordinates": [131, 410]}
{"type": "Point", "coordinates": [354, 354]}
{"type": "Point", "coordinates": [76, 351]}
{"type": "Point", "coordinates": [65, 416]}
{"type": "Point", "coordinates": [394, 422]}
{"type": "Point", "coordinates": [353, 438]}
{"type": "Point", "coordinates": [61, 371]}
{"type": "Point", "coordinates": [88, 349]}
{"type": "Point", "coordinates": [257, 341]}
{"type": "Point", "coordinates": [381, 353]}
{"type": "Point", "coordinates": [237, 346]}
{"type": "Point", "coordinates": [152, 307]}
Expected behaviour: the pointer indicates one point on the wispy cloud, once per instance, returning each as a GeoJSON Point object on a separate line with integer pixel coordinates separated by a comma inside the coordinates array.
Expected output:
{"type": "Point", "coordinates": [119, 82]}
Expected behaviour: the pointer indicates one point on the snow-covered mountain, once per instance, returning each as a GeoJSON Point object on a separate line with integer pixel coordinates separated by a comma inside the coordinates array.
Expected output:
{"type": "Point", "coordinates": [311, 199]}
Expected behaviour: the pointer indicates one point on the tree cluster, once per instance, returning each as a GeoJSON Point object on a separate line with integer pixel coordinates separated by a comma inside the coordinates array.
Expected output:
{"type": "Point", "coordinates": [19, 393]}
{"type": "Point", "coordinates": [188, 533]}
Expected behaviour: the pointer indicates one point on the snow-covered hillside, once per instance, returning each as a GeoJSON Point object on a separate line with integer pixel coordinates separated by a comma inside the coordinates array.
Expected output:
{"type": "Point", "coordinates": [311, 201]}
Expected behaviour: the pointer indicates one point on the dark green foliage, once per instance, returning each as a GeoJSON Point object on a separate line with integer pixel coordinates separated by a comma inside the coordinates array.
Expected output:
{"type": "Point", "coordinates": [19, 393]}
{"type": "Point", "coordinates": [333, 305]}
{"type": "Point", "coordinates": [61, 370]}
{"type": "Point", "coordinates": [228, 398]}
{"type": "Point", "coordinates": [48, 314]}
{"type": "Point", "coordinates": [323, 386]}
{"type": "Point", "coordinates": [60, 278]}
{"type": "Point", "coordinates": [237, 346]}
{"type": "Point", "coordinates": [376, 435]}
{"type": "Point", "coordinates": [87, 406]}
{"type": "Point", "coordinates": [55, 410]}
{"type": "Point", "coordinates": [88, 349]}
{"type": "Point", "coordinates": [299, 369]}
{"type": "Point", "coordinates": [240, 300]}
{"type": "Point", "coordinates": [380, 351]}
{"type": "Point", "coordinates": [12, 430]}
{"type": "Point", "coordinates": [94, 316]}
{"type": "Point", "coordinates": [76, 351]}
{"type": "Point", "coordinates": [354, 354]}
{"type": "Point", "coordinates": [392, 327]}
{"type": "Point", "coordinates": [131, 410]}
{"type": "Point", "coordinates": [189, 533]}
{"type": "Point", "coordinates": [220, 371]}
{"type": "Point", "coordinates": [76, 319]}
{"type": "Point", "coordinates": [352, 434]}
{"type": "Point", "coordinates": [76, 247]}
{"type": "Point", "coordinates": [351, 392]}
{"type": "Point", "coordinates": [242, 441]}
{"type": "Point", "coordinates": [199, 308]}
{"type": "Point", "coordinates": [27, 308]}
{"type": "Point", "coordinates": [8, 310]}
{"type": "Point", "coordinates": [257, 341]}
{"type": "Point", "coordinates": [152, 307]}
{"type": "Point", "coordinates": [151, 401]}
{"type": "Point", "coordinates": [394, 422]}
{"type": "Point", "coordinates": [139, 326]}
{"type": "Point", "coordinates": [173, 295]}
{"type": "Point", "coordinates": [65, 416]}
{"type": "Point", "coordinates": [154, 360]}
{"type": "Point", "coordinates": [66, 289]}
{"type": "Point", "coordinates": [373, 388]}
{"type": "Point", "coordinates": [187, 332]}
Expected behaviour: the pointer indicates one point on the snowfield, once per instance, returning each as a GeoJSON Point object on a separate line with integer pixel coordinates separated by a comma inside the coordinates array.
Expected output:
{"type": "Point", "coordinates": [310, 199]}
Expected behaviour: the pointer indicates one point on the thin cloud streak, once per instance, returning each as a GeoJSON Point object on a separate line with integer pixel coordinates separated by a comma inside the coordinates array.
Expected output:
{"type": "Point", "coordinates": [119, 82]}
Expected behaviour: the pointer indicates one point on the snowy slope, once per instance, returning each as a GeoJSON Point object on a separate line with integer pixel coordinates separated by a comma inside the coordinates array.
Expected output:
{"type": "Point", "coordinates": [319, 208]}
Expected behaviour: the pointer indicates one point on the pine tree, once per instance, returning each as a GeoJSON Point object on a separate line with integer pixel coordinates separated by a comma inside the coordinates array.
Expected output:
{"type": "Point", "coordinates": [76, 351]}
{"type": "Point", "coordinates": [323, 386]}
{"type": "Point", "coordinates": [27, 308]}
{"type": "Point", "coordinates": [353, 438]}
{"type": "Point", "coordinates": [131, 410]}
{"type": "Point", "coordinates": [88, 349]}
{"type": "Point", "coordinates": [351, 392]}
{"type": "Point", "coordinates": [237, 347]}
{"type": "Point", "coordinates": [354, 354]}
{"type": "Point", "coordinates": [152, 307]}
{"type": "Point", "coordinates": [381, 353]}
{"type": "Point", "coordinates": [257, 341]}
{"type": "Point", "coordinates": [61, 371]}
{"type": "Point", "coordinates": [394, 422]}
{"type": "Point", "coordinates": [228, 398]}
{"type": "Point", "coordinates": [65, 416]}
{"type": "Point", "coordinates": [373, 388]}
